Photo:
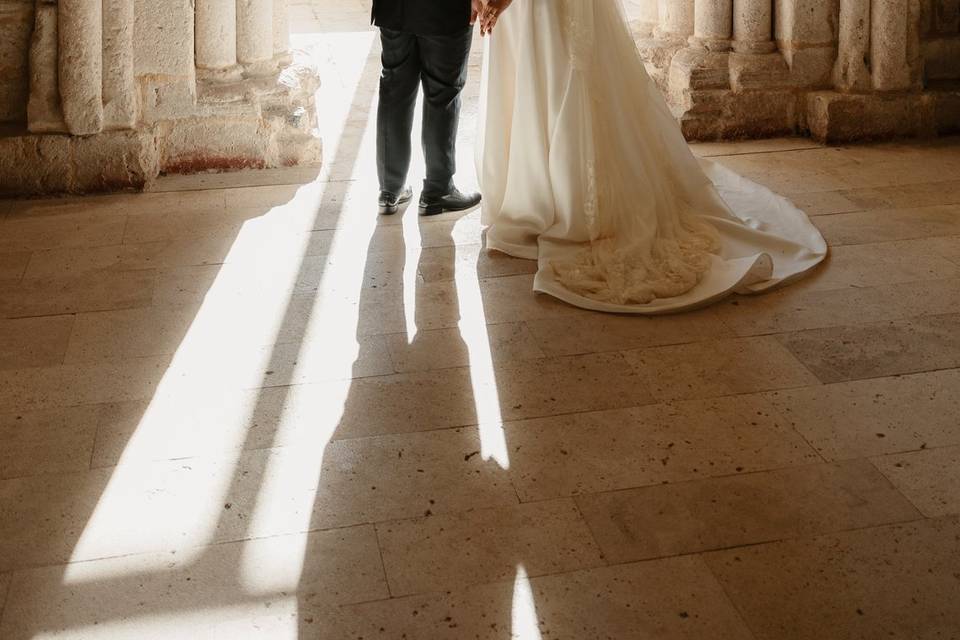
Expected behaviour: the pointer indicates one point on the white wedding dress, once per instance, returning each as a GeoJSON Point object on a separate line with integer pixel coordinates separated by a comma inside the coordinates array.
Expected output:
{"type": "Point", "coordinates": [583, 168]}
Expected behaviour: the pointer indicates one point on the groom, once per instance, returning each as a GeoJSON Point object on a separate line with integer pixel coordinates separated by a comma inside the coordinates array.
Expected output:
{"type": "Point", "coordinates": [424, 42]}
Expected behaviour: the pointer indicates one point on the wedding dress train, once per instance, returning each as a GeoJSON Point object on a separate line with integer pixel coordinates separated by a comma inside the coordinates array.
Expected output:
{"type": "Point", "coordinates": [583, 168]}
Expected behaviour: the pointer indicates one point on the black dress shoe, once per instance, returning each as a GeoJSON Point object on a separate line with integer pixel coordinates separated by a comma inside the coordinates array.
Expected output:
{"type": "Point", "coordinates": [432, 205]}
{"type": "Point", "coordinates": [390, 202]}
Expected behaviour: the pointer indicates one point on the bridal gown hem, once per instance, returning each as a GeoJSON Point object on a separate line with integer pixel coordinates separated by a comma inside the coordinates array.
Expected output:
{"type": "Point", "coordinates": [584, 169]}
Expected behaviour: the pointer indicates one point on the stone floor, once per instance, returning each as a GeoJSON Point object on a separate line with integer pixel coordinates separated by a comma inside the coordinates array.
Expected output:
{"type": "Point", "coordinates": [237, 411]}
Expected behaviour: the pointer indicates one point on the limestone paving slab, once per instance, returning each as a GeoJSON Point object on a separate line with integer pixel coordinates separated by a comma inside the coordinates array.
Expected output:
{"type": "Point", "coordinates": [892, 224]}
{"type": "Point", "coordinates": [798, 310]}
{"type": "Point", "coordinates": [13, 265]}
{"type": "Point", "coordinates": [509, 391]}
{"type": "Point", "coordinates": [733, 511]}
{"type": "Point", "coordinates": [837, 354]}
{"type": "Point", "coordinates": [252, 588]}
{"type": "Point", "coordinates": [38, 442]}
{"type": "Point", "coordinates": [665, 599]}
{"type": "Point", "coordinates": [896, 581]}
{"type": "Point", "coordinates": [719, 367]}
{"type": "Point", "coordinates": [598, 333]}
{"type": "Point", "coordinates": [879, 264]}
{"type": "Point", "coordinates": [605, 451]}
{"type": "Point", "coordinates": [70, 385]}
{"type": "Point", "coordinates": [929, 478]}
{"type": "Point", "coordinates": [34, 342]}
{"type": "Point", "coordinates": [72, 294]}
{"type": "Point", "coordinates": [922, 194]}
{"type": "Point", "coordinates": [445, 348]}
{"type": "Point", "coordinates": [82, 228]}
{"type": "Point", "coordinates": [485, 545]}
{"type": "Point", "coordinates": [877, 416]}
{"type": "Point", "coordinates": [447, 263]}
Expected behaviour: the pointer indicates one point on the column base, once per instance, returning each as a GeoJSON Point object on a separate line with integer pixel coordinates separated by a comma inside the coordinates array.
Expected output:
{"type": "Point", "coordinates": [260, 122]}
{"type": "Point", "coordinates": [845, 117]}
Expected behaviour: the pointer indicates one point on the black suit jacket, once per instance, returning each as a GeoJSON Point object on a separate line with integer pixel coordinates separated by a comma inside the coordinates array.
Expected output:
{"type": "Point", "coordinates": [422, 17]}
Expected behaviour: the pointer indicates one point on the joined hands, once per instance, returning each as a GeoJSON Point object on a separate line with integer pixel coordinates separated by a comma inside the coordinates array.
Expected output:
{"type": "Point", "coordinates": [488, 12]}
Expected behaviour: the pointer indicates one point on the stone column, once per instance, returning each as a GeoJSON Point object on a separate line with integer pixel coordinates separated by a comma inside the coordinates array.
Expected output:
{"type": "Point", "coordinates": [216, 34]}
{"type": "Point", "coordinates": [676, 19]}
{"type": "Point", "coordinates": [890, 35]}
{"type": "Point", "coordinates": [753, 26]}
{"type": "Point", "coordinates": [119, 93]}
{"type": "Point", "coordinates": [80, 31]}
{"type": "Point", "coordinates": [713, 24]}
{"type": "Point", "coordinates": [254, 31]}
{"type": "Point", "coordinates": [44, 113]}
{"type": "Point", "coordinates": [850, 72]}
{"type": "Point", "coordinates": [281, 28]}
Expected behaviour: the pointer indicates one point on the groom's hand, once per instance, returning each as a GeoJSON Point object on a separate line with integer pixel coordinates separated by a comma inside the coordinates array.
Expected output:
{"type": "Point", "coordinates": [491, 13]}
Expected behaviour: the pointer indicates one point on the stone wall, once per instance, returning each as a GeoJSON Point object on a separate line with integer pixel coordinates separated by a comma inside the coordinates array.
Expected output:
{"type": "Point", "coordinates": [16, 25]}
{"type": "Point", "coordinates": [107, 94]}
{"type": "Point", "coordinates": [838, 70]}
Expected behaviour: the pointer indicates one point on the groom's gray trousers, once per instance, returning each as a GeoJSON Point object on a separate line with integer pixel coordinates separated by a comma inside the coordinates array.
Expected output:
{"type": "Point", "coordinates": [439, 64]}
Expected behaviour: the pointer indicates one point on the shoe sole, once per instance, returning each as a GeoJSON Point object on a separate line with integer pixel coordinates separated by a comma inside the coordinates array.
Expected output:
{"type": "Point", "coordinates": [437, 209]}
{"type": "Point", "coordinates": [390, 209]}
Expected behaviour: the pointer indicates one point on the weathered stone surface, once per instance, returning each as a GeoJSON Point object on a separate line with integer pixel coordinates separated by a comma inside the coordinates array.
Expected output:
{"type": "Point", "coordinates": [216, 34]}
{"type": "Point", "coordinates": [119, 92]}
{"type": "Point", "coordinates": [81, 64]}
{"type": "Point", "coordinates": [33, 164]}
{"type": "Point", "coordinates": [254, 30]}
{"type": "Point", "coordinates": [753, 26]}
{"type": "Point", "coordinates": [164, 33]}
{"type": "Point", "coordinates": [833, 116]}
{"type": "Point", "coordinates": [44, 113]}
{"type": "Point", "coordinates": [894, 30]}
{"type": "Point", "coordinates": [851, 73]}
{"type": "Point", "coordinates": [16, 23]}
{"type": "Point", "coordinates": [941, 58]}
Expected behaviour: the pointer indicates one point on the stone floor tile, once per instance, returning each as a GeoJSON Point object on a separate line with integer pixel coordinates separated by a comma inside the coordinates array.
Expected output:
{"type": "Point", "coordinates": [510, 299]}
{"type": "Point", "coordinates": [129, 333]}
{"type": "Point", "coordinates": [84, 227]}
{"type": "Point", "coordinates": [661, 600]}
{"type": "Point", "coordinates": [366, 480]}
{"type": "Point", "coordinates": [69, 385]}
{"type": "Point", "coordinates": [169, 225]}
{"type": "Point", "coordinates": [719, 367]}
{"type": "Point", "coordinates": [887, 582]}
{"type": "Point", "coordinates": [511, 391]}
{"type": "Point", "coordinates": [891, 224]}
{"type": "Point", "coordinates": [91, 292]}
{"type": "Point", "coordinates": [746, 147]}
{"type": "Point", "coordinates": [797, 310]}
{"type": "Point", "coordinates": [445, 348]}
{"type": "Point", "coordinates": [13, 265]}
{"type": "Point", "coordinates": [818, 203]}
{"type": "Point", "coordinates": [37, 442]}
{"type": "Point", "coordinates": [605, 451]}
{"type": "Point", "coordinates": [876, 416]}
{"type": "Point", "coordinates": [445, 263]}
{"type": "Point", "coordinates": [445, 552]}
{"type": "Point", "coordinates": [245, 589]}
{"type": "Point", "coordinates": [837, 354]}
{"type": "Point", "coordinates": [34, 342]}
{"type": "Point", "coordinates": [182, 251]}
{"type": "Point", "coordinates": [922, 194]}
{"type": "Point", "coordinates": [590, 334]}
{"type": "Point", "coordinates": [879, 264]}
{"type": "Point", "coordinates": [929, 478]}
{"type": "Point", "coordinates": [733, 511]}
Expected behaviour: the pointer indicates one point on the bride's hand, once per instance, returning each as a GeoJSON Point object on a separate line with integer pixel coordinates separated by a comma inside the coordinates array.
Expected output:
{"type": "Point", "coordinates": [491, 13]}
{"type": "Point", "coordinates": [476, 7]}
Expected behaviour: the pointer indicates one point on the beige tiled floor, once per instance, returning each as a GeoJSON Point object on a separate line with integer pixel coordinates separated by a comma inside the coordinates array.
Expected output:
{"type": "Point", "coordinates": [241, 406]}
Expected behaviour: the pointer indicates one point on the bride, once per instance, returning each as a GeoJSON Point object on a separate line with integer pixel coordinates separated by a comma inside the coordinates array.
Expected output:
{"type": "Point", "coordinates": [584, 169]}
